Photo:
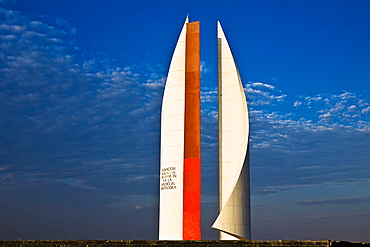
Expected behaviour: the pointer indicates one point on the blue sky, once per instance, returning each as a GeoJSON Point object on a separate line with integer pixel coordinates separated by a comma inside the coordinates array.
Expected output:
{"type": "Point", "coordinates": [80, 94]}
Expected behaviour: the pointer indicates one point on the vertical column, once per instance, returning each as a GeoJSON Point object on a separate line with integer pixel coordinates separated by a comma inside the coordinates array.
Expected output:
{"type": "Point", "coordinates": [192, 170]}
{"type": "Point", "coordinates": [220, 140]}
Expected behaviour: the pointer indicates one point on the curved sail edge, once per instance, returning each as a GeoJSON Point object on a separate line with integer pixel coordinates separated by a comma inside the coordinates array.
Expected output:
{"type": "Point", "coordinates": [172, 146]}
{"type": "Point", "coordinates": [234, 218]}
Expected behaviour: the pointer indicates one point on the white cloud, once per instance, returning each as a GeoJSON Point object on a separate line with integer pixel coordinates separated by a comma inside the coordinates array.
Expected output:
{"type": "Point", "coordinates": [205, 67]}
{"type": "Point", "coordinates": [326, 116]}
{"type": "Point", "coordinates": [346, 95]}
{"type": "Point", "coordinates": [208, 96]}
{"type": "Point", "coordinates": [262, 85]}
{"type": "Point", "coordinates": [262, 94]}
{"type": "Point", "coordinates": [366, 110]}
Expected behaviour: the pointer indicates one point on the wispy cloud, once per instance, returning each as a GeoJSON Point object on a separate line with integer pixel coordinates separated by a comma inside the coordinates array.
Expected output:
{"type": "Point", "coordinates": [300, 141]}
{"type": "Point", "coordinates": [72, 118]}
{"type": "Point", "coordinates": [349, 200]}
{"type": "Point", "coordinates": [339, 216]}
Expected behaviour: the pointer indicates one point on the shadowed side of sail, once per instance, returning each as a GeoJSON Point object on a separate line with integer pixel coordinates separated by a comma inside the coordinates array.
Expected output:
{"type": "Point", "coordinates": [172, 146]}
{"type": "Point", "coordinates": [234, 193]}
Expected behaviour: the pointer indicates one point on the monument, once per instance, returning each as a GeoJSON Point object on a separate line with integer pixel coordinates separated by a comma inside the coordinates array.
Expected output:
{"type": "Point", "coordinates": [180, 187]}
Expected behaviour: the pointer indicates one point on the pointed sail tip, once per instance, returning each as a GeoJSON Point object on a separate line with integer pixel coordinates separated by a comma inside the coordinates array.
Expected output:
{"type": "Point", "coordinates": [216, 224]}
{"type": "Point", "coordinates": [187, 18]}
{"type": "Point", "coordinates": [219, 25]}
{"type": "Point", "coordinates": [219, 28]}
{"type": "Point", "coordinates": [215, 227]}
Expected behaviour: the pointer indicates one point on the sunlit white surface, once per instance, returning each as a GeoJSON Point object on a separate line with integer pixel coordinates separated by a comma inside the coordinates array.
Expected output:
{"type": "Point", "coordinates": [234, 218]}
{"type": "Point", "coordinates": [172, 145]}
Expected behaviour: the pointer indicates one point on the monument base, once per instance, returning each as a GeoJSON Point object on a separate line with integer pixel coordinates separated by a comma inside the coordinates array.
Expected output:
{"type": "Point", "coordinates": [205, 243]}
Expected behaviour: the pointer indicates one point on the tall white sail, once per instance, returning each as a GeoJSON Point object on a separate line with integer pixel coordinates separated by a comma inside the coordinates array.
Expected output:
{"type": "Point", "coordinates": [172, 146]}
{"type": "Point", "coordinates": [233, 222]}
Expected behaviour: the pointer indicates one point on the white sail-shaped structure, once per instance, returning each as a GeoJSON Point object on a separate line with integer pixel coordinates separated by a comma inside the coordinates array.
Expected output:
{"type": "Point", "coordinates": [172, 146]}
{"type": "Point", "coordinates": [233, 221]}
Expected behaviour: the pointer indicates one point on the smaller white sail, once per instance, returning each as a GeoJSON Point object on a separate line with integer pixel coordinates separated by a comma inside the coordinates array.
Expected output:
{"type": "Point", "coordinates": [234, 219]}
